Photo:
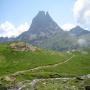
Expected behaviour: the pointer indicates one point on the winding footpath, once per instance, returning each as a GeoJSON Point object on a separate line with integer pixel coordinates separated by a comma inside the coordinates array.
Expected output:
{"type": "Point", "coordinates": [33, 82]}
{"type": "Point", "coordinates": [40, 67]}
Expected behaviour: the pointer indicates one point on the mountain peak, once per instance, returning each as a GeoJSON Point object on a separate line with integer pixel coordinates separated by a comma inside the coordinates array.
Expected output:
{"type": "Point", "coordinates": [42, 26]}
{"type": "Point", "coordinates": [41, 13]}
{"type": "Point", "coordinates": [78, 31]}
{"type": "Point", "coordinates": [43, 22]}
{"type": "Point", "coordinates": [47, 13]}
{"type": "Point", "coordinates": [78, 27]}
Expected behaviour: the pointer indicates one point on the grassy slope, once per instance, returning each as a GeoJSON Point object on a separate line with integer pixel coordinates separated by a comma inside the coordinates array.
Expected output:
{"type": "Point", "coordinates": [12, 61]}
{"type": "Point", "coordinates": [78, 65]}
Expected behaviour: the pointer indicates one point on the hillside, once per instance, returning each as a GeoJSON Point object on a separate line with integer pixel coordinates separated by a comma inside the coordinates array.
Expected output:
{"type": "Point", "coordinates": [26, 64]}
{"type": "Point", "coordinates": [18, 59]}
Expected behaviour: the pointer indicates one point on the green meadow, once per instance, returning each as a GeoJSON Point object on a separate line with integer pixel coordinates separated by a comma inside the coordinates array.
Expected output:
{"type": "Point", "coordinates": [44, 64]}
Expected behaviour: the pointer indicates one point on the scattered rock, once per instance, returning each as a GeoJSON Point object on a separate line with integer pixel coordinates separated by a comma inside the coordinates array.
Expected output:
{"type": "Point", "coordinates": [21, 46]}
{"type": "Point", "coordinates": [85, 76]}
{"type": "Point", "coordinates": [9, 78]}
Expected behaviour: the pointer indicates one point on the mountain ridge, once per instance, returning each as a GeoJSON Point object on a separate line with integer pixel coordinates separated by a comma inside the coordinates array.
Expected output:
{"type": "Point", "coordinates": [79, 31]}
{"type": "Point", "coordinates": [42, 27]}
{"type": "Point", "coordinates": [44, 32]}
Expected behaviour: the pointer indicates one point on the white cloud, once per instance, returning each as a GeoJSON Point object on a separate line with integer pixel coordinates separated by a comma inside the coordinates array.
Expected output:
{"type": "Point", "coordinates": [82, 42]}
{"type": "Point", "coordinates": [87, 14]}
{"type": "Point", "coordinates": [7, 29]}
{"type": "Point", "coordinates": [7, 25]}
{"type": "Point", "coordinates": [68, 26]}
{"type": "Point", "coordinates": [22, 28]}
{"type": "Point", "coordinates": [81, 11]}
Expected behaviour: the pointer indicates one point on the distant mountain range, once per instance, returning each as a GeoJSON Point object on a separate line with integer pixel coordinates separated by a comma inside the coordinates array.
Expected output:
{"type": "Point", "coordinates": [6, 39]}
{"type": "Point", "coordinates": [44, 32]}
{"type": "Point", "coordinates": [78, 31]}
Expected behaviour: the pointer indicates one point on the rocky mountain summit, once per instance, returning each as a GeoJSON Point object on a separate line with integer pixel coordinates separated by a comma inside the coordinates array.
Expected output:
{"type": "Point", "coordinates": [44, 32]}
{"type": "Point", "coordinates": [42, 27]}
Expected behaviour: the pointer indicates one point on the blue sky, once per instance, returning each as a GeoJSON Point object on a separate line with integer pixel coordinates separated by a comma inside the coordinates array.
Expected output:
{"type": "Point", "coordinates": [17, 13]}
{"type": "Point", "coordinates": [20, 11]}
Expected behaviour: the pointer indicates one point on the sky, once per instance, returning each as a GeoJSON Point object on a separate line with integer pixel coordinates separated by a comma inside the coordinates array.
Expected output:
{"type": "Point", "coordinates": [16, 15]}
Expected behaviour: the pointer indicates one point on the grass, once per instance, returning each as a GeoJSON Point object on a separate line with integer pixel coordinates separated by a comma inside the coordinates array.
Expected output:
{"type": "Point", "coordinates": [13, 61]}
{"type": "Point", "coordinates": [78, 65]}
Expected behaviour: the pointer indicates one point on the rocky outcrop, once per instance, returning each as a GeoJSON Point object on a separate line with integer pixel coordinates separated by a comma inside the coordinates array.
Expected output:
{"type": "Point", "coordinates": [21, 46]}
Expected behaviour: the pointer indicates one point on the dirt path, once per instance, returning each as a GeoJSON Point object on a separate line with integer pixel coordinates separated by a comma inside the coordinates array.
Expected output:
{"type": "Point", "coordinates": [40, 67]}
{"type": "Point", "coordinates": [33, 82]}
